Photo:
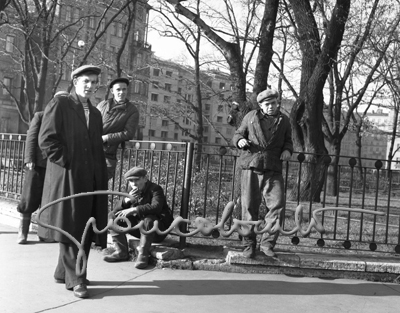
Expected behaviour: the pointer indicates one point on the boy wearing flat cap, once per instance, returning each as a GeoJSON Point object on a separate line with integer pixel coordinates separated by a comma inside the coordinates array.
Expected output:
{"type": "Point", "coordinates": [70, 138]}
{"type": "Point", "coordinates": [265, 138]}
{"type": "Point", "coordinates": [120, 121]}
{"type": "Point", "coordinates": [150, 205]}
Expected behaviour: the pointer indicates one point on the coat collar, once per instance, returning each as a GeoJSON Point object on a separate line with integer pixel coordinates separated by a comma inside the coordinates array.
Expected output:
{"type": "Point", "coordinates": [78, 107]}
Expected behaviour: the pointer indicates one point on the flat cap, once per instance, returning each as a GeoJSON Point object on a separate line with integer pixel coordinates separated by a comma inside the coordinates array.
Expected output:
{"type": "Point", "coordinates": [85, 68]}
{"type": "Point", "coordinates": [135, 172]}
{"type": "Point", "coordinates": [267, 94]}
{"type": "Point", "coordinates": [119, 80]}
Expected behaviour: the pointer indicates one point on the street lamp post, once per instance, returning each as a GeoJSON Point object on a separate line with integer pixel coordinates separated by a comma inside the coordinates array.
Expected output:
{"type": "Point", "coordinates": [81, 44]}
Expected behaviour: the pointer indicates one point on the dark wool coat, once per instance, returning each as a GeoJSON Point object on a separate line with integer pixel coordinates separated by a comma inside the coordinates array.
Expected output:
{"type": "Point", "coordinates": [76, 164]}
{"type": "Point", "coordinates": [119, 123]}
{"type": "Point", "coordinates": [264, 152]}
{"type": "Point", "coordinates": [32, 152]}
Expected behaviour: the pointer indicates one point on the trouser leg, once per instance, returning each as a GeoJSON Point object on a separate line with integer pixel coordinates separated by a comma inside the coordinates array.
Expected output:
{"type": "Point", "coordinates": [273, 193]}
{"type": "Point", "coordinates": [65, 269]}
{"type": "Point", "coordinates": [251, 200]}
{"type": "Point", "coordinates": [23, 229]}
{"type": "Point", "coordinates": [121, 248]}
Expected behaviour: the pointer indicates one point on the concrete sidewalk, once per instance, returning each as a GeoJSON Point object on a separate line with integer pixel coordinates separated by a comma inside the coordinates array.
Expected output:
{"type": "Point", "coordinates": [373, 267]}
{"type": "Point", "coordinates": [27, 286]}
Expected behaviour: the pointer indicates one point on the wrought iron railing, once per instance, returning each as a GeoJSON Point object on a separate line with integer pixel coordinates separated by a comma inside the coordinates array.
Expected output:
{"type": "Point", "coordinates": [203, 186]}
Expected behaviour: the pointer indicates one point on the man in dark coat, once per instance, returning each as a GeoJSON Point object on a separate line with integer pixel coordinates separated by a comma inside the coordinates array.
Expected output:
{"type": "Point", "coordinates": [149, 205]}
{"type": "Point", "coordinates": [35, 171]}
{"type": "Point", "coordinates": [120, 121]}
{"type": "Point", "coordinates": [70, 137]}
{"type": "Point", "coordinates": [265, 137]}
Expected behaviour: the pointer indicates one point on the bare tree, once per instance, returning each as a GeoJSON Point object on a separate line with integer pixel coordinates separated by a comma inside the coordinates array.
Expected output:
{"type": "Point", "coordinates": [47, 45]}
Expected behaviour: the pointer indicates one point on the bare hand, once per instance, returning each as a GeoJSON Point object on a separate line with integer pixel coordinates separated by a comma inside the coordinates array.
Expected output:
{"type": "Point", "coordinates": [126, 212]}
{"type": "Point", "coordinates": [286, 155]}
{"type": "Point", "coordinates": [243, 143]}
{"type": "Point", "coordinates": [30, 166]}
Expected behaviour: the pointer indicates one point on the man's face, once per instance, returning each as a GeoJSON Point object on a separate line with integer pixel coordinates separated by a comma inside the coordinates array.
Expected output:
{"type": "Point", "coordinates": [269, 106]}
{"type": "Point", "coordinates": [137, 183]}
{"type": "Point", "coordinates": [119, 90]}
{"type": "Point", "coordinates": [85, 85]}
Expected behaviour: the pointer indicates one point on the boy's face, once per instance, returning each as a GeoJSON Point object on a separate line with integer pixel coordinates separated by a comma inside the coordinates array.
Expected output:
{"type": "Point", "coordinates": [137, 183]}
{"type": "Point", "coordinates": [269, 106]}
{"type": "Point", "coordinates": [85, 85]}
{"type": "Point", "coordinates": [119, 90]}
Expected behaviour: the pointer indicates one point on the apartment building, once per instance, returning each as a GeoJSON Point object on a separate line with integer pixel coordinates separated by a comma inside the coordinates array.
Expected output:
{"type": "Point", "coordinates": [91, 35]}
{"type": "Point", "coordinates": [171, 111]}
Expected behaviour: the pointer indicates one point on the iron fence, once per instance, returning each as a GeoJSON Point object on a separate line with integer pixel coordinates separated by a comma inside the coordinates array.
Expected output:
{"type": "Point", "coordinates": [202, 186]}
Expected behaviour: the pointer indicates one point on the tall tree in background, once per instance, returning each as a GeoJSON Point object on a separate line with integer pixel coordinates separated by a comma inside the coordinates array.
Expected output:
{"type": "Point", "coordinates": [47, 44]}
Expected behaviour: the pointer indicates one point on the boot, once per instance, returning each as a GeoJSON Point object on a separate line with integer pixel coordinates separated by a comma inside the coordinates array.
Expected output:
{"type": "Point", "coordinates": [249, 251]}
{"type": "Point", "coordinates": [23, 230]}
{"type": "Point", "coordinates": [250, 244]}
{"type": "Point", "coordinates": [142, 260]}
{"type": "Point", "coordinates": [121, 249]}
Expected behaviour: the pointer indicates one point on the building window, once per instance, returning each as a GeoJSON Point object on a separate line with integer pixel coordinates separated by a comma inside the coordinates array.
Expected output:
{"type": "Point", "coordinates": [139, 59]}
{"type": "Point", "coordinates": [168, 73]}
{"type": "Point", "coordinates": [156, 72]}
{"type": "Point", "coordinates": [164, 123]}
{"type": "Point", "coordinates": [167, 99]}
{"type": "Point", "coordinates": [205, 129]}
{"type": "Point", "coordinates": [186, 121]}
{"type": "Point", "coordinates": [119, 29]}
{"type": "Point", "coordinates": [205, 139]}
{"type": "Point", "coordinates": [77, 14]}
{"type": "Point", "coordinates": [222, 86]}
{"type": "Point", "coordinates": [176, 136]}
{"type": "Point", "coordinates": [220, 108]}
{"type": "Point", "coordinates": [164, 134]}
{"type": "Point", "coordinates": [155, 84]}
{"type": "Point", "coordinates": [152, 132]}
{"type": "Point", "coordinates": [91, 22]}
{"type": "Point", "coordinates": [219, 119]}
{"type": "Point", "coordinates": [102, 24]}
{"type": "Point", "coordinates": [207, 106]}
{"type": "Point", "coordinates": [179, 90]}
{"type": "Point", "coordinates": [154, 97]}
{"type": "Point", "coordinates": [68, 10]}
{"type": "Point", "coordinates": [10, 44]}
{"type": "Point", "coordinates": [209, 83]}
{"type": "Point", "coordinates": [7, 85]}
{"type": "Point", "coordinates": [176, 127]}
{"type": "Point", "coordinates": [136, 86]}
{"type": "Point", "coordinates": [168, 87]}
{"type": "Point", "coordinates": [218, 140]}
{"type": "Point", "coordinates": [140, 13]}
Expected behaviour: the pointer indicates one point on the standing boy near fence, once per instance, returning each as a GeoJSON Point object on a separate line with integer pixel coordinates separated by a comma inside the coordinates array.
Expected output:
{"type": "Point", "coordinates": [265, 138]}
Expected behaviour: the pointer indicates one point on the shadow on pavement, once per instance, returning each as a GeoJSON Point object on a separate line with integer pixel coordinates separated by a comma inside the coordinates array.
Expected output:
{"type": "Point", "coordinates": [239, 287]}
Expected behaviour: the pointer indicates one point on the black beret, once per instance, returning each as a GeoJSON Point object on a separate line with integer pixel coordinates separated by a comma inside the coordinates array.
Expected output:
{"type": "Point", "coordinates": [119, 80]}
{"type": "Point", "coordinates": [135, 172]}
{"type": "Point", "coordinates": [85, 68]}
{"type": "Point", "coordinates": [267, 94]}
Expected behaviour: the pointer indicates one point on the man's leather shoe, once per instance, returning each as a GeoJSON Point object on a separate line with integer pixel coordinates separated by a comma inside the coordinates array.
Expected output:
{"type": "Point", "coordinates": [116, 257]}
{"type": "Point", "coordinates": [268, 251]}
{"type": "Point", "coordinates": [249, 252]}
{"type": "Point", "coordinates": [62, 281]}
{"type": "Point", "coordinates": [81, 291]}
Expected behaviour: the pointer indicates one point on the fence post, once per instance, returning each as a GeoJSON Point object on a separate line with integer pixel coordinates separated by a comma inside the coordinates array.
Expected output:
{"type": "Point", "coordinates": [187, 178]}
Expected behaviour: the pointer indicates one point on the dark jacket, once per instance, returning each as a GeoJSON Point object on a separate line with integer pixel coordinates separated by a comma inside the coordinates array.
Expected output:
{"type": "Point", "coordinates": [76, 164]}
{"type": "Point", "coordinates": [119, 124]}
{"type": "Point", "coordinates": [33, 154]}
{"type": "Point", "coordinates": [151, 202]}
{"type": "Point", "coordinates": [264, 153]}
